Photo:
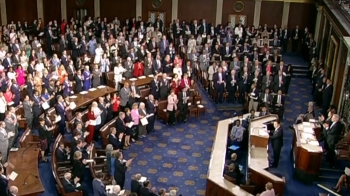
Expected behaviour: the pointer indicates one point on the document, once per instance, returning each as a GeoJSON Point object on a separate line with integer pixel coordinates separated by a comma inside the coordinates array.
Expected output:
{"type": "Point", "coordinates": [130, 124]}
{"type": "Point", "coordinates": [141, 77]}
{"type": "Point", "coordinates": [200, 106]}
{"type": "Point", "coordinates": [92, 89]}
{"type": "Point", "coordinates": [73, 97]}
{"type": "Point", "coordinates": [233, 147]}
{"type": "Point", "coordinates": [89, 160]}
{"type": "Point", "coordinates": [83, 92]}
{"type": "Point", "coordinates": [72, 105]}
{"type": "Point", "coordinates": [133, 79]}
{"type": "Point", "coordinates": [101, 87]}
{"type": "Point", "coordinates": [58, 119]}
{"type": "Point", "coordinates": [149, 115]}
{"type": "Point", "coordinates": [143, 178]}
{"type": "Point", "coordinates": [45, 106]}
{"type": "Point", "coordinates": [13, 176]}
{"type": "Point", "coordinates": [151, 76]}
{"type": "Point", "coordinates": [92, 122]}
{"type": "Point", "coordinates": [10, 103]}
{"type": "Point", "coordinates": [144, 121]}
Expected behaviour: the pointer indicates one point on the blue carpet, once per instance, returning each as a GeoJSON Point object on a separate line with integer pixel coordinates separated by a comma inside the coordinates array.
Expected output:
{"type": "Point", "coordinates": [178, 157]}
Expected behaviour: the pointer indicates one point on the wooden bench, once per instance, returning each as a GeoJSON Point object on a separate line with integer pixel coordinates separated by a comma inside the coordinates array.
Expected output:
{"type": "Point", "coordinates": [60, 168]}
{"type": "Point", "coordinates": [105, 131]}
{"type": "Point", "coordinates": [144, 94]}
{"type": "Point", "coordinates": [99, 165]}
{"type": "Point", "coordinates": [27, 139]}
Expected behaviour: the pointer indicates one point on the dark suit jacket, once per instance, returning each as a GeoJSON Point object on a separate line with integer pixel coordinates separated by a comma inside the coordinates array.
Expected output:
{"type": "Point", "coordinates": [135, 187]}
{"type": "Point", "coordinates": [61, 111]}
{"type": "Point", "coordinates": [120, 126]}
{"type": "Point", "coordinates": [119, 171]}
{"type": "Point", "coordinates": [145, 192]}
{"type": "Point", "coordinates": [276, 138]}
{"type": "Point", "coordinates": [68, 187]}
{"type": "Point", "coordinates": [78, 169]}
{"type": "Point", "coordinates": [327, 94]}
{"type": "Point", "coordinates": [61, 156]}
{"type": "Point", "coordinates": [78, 85]}
{"type": "Point", "coordinates": [333, 134]}
{"type": "Point", "coordinates": [275, 100]}
{"type": "Point", "coordinates": [216, 77]}
{"type": "Point", "coordinates": [3, 186]}
{"type": "Point", "coordinates": [114, 140]}
{"type": "Point", "coordinates": [99, 188]}
{"type": "Point", "coordinates": [150, 108]}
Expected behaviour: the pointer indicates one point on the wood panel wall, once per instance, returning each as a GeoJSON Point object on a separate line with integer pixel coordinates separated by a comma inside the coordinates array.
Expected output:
{"type": "Point", "coordinates": [166, 7]}
{"type": "Point", "coordinates": [19, 10]}
{"type": "Point", "coordinates": [122, 9]}
{"type": "Point", "coordinates": [271, 13]}
{"type": "Point", "coordinates": [52, 11]}
{"type": "Point", "coordinates": [88, 5]}
{"type": "Point", "coordinates": [227, 9]}
{"type": "Point", "coordinates": [302, 14]}
{"type": "Point", "coordinates": [197, 9]}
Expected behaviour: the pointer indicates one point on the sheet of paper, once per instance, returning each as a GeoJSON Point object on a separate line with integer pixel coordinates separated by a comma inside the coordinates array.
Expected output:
{"type": "Point", "coordinates": [10, 103]}
{"type": "Point", "coordinates": [309, 130]}
{"type": "Point", "coordinates": [109, 188]}
{"type": "Point", "coordinates": [347, 171]}
{"type": "Point", "coordinates": [149, 115]}
{"type": "Point", "coordinates": [73, 97]}
{"type": "Point", "coordinates": [200, 106]}
{"type": "Point", "coordinates": [263, 133]}
{"type": "Point", "coordinates": [92, 89]}
{"type": "Point", "coordinates": [306, 124]}
{"type": "Point", "coordinates": [13, 176]}
{"type": "Point", "coordinates": [133, 79]}
{"type": "Point", "coordinates": [314, 143]}
{"type": "Point", "coordinates": [100, 87]}
{"type": "Point", "coordinates": [307, 136]}
{"type": "Point", "coordinates": [83, 92]}
{"type": "Point", "coordinates": [58, 119]}
{"type": "Point", "coordinates": [72, 105]}
{"type": "Point", "coordinates": [45, 106]}
{"type": "Point", "coordinates": [143, 178]}
{"type": "Point", "coordinates": [151, 76]}
{"type": "Point", "coordinates": [89, 160]}
{"type": "Point", "coordinates": [144, 121]}
{"type": "Point", "coordinates": [312, 120]}
{"type": "Point", "coordinates": [130, 124]}
{"type": "Point", "coordinates": [141, 77]}
{"type": "Point", "coordinates": [93, 122]}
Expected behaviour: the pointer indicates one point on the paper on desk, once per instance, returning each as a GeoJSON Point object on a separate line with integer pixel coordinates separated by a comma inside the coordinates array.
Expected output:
{"type": "Point", "coordinates": [312, 120]}
{"type": "Point", "coordinates": [347, 171]}
{"type": "Point", "coordinates": [10, 103]}
{"type": "Point", "coordinates": [100, 87]}
{"type": "Point", "coordinates": [92, 122]}
{"type": "Point", "coordinates": [314, 143]}
{"type": "Point", "coordinates": [13, 176]}
{"type": "Point", "coordinates": [141, 77]}
{"type": "Point", "coordinates": [83, 92]}
{"type": "Point", "coordinates": [144, 121]}
{"type": "Point", "coordinates": [308, 130]}
{"type": "Point", "coordinates": [73, 97]}
{"type": "Point", "coordinates": [130, 124]}
{"type": "Point", "coordinates": [89, 160]}
{"type": "Point", "coordinates": [312, 148]}
{"type": "Point", "coordinates": [263, 133]}
{"type": "Point", "coordinates": [14, 149]}
{"type": "Point", "coordinates": [151, 76]}
{"type": "Point", "coordinates": [58, 119]}
{"type": "Point", "coordinates": [45, 106]}
{"type": "Point", "coordinates": [133, 79]}
{"type": "Point", "coordinates": [92, 89]}
{"type": "Point", "coordinates": [72, 105]}
{"type": "Point", "coordinates": [143, 178]}
{"type": "Point", "coordinates": [307, 136]}
{"type": "Point", "coordinates": [307, 124]}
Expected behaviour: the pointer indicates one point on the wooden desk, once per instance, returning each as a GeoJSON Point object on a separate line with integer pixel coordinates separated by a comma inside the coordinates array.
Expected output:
{"type": "Point", "coordinates": [216, 184]}
{"type": "Point", "coordinates": [307, 152]}
{"type": "Point", "coordinates": [139, 82]}
{"type": "Point", "coordinates": [258, 156]}
{"type": "Point", "coordinates": [25, 162]}
{"type": "Point", "coordinates": [85, 99]}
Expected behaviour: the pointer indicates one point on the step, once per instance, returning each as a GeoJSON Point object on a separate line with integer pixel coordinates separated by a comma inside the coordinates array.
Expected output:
{"type": "Point", "coordinates": [301, 66]}
{"type": "Point", "coordinates": [300, 74]}
{"type": "Point", "coordinates": [300, 70]}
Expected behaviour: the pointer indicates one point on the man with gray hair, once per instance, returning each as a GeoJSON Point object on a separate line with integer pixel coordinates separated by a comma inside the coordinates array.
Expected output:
{"type": "Point", "coordinates": [333, 134]}
{"type": "Point", "coordinates": [172, 193]}
{"type": "Point", "coordinates": [115, 191]}
{"type": "Point", "coordinates": [14, 190]}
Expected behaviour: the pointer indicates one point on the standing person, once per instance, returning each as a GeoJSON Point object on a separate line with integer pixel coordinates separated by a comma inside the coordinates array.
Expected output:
{"type": "Point", "coordinates": [288, 78]}
{"type": "Point", "coordinates": [98, 186]}
{"type": "Point", "coordinates": [142, 114]}
{"type": "Point", "coordinates": [172, 107]}
{"type": "Point", "coordinates": [184, 97]}
{"type": "Point", "coordinates": [4, 182]}
{"type": "Point", "coordinates": [151, 105]}
{"type": "Point", "coordinates": [61, 111]}
{"type": "Point", "coordinates": [92, 117]}
{"type": "Point", "coordinates": [87, 78]}
{"type": "Point", "coordinates": [96, 76]}
{"type": "Point", "coordinates": [4, 141]}
{"type": "Point", "coordinates": [135, 115]}
{"type": "Point", "coordinates": [28, 111]}
{"type": "Point", "coordinates": [276, 139]}
{"type": "Point", "coordinates": [3, 106]}
{"type": "Point", "coordinates": [10, 126]}
{"type": "Point", "coordinates": [120, 169]}
{"type": "Point", "coordinates": [124, 96]}
{"type": "Point", "coordinates": [44, 134]}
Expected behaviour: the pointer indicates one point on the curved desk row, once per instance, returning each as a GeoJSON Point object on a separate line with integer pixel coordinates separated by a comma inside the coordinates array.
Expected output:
{"type": "Point", "coordinates": [257, 161]}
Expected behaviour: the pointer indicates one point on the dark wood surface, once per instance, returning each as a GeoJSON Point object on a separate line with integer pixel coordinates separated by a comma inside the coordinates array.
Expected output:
{"type": "Point", "coordinates": [83, 100]}
{"type": "Point", "coordinates": [25, 162]}
{"type": "Point", "coordinates": [139, 82]}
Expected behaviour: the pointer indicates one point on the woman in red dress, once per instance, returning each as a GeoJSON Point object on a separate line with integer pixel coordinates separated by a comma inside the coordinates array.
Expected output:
{"type": "Point", "coordinates": [91, 116]}
{"type": "Point", "coordinates": [178, 61]}
{"type": "Point", "coordinates": [175, 84]}
{"type": "Point", "coordinates": [115, 102]}
{"type": "Point", "coordinates": [138, 69]}
{"type": "Point", "coordinates": [63, 27]}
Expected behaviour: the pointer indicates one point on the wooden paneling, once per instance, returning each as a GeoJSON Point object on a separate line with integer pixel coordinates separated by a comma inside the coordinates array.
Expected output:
{"type": "Point", "coordinates": [19, 10]}
{"type": "Point", "coordinates": [271, 13]}
{"type": "Point", "coordinates": [197, 9]}
{"type": "Point", "coordinates": [122, 9]}
{"type": "Point", "coordinates": [338, 88]}
{"type": "Point", "coordinates": [166, 7]}
{"type": "Point", "coordinates": [52, 11]}
{"type": "Point", "coordinates": [302, 14]}
{"type": "Point", "coordinates": [248, 10]}
{"type": "Point", "coordinates": [88, 5]}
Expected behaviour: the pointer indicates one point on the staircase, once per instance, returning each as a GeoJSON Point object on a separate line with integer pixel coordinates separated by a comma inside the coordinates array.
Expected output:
{"type": "Point", "coordinates": [300, 71]}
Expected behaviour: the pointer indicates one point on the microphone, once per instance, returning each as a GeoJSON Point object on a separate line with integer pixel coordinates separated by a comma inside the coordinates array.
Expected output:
{"type": "Point", "coordinates": [25, 179]}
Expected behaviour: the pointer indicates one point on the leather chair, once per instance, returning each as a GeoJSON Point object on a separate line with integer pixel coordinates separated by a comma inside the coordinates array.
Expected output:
{"type": "Point", "coordinates": [144, 93]}
{"type": "Point", "coordinates": [99, 165]}
{"type": "Point", "coordinates": [161, 110]}
{"type": "Point", "coordinates": [105, 131]}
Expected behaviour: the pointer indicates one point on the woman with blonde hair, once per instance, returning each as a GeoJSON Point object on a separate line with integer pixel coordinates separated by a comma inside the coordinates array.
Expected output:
{"type": "Point", "coordinates": [24, 60]}
{"type": "Point", "coordinates": [269, 190]}
{"type": "Point", "coordinates": [62, 73]}
{"type": "Point", "coordinates": [87, 78]}
{"type": "Point", "coordinates": [172, 107]}
{"type": "Point", "coordinates": [79, 163]}
{"type": "Point", "coordinates": [93, 116]}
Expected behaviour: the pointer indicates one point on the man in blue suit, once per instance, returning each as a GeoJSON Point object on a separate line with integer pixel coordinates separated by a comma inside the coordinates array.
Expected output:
{"type": "Point", "coordinates": [219, 84]}
{"type": "Point", "coordinates": [16, 92]}
{"type": "Point", "coordinates": [98, 186]}
{"type": "Point", "coordinates": [61, 111]}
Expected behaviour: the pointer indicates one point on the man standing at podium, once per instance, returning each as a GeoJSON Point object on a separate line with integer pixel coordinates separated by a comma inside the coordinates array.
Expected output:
{"type": "Point", "coordinates": [276, 140]}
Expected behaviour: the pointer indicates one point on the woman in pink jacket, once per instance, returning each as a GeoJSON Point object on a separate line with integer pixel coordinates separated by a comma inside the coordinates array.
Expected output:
{"type": "Point", "coordinates": [172, 107]}
{"type": "Point", "coordinates": [136, 119]}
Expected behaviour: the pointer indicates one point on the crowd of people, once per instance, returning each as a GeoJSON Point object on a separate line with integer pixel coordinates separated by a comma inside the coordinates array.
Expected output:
{"type": "Point", "coordinates": [54, 61]}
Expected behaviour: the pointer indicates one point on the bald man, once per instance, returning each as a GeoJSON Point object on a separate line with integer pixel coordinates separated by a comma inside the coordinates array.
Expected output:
{"type": "Point", "coordinates": [13, 191]}
{"type": "Point", "coordinates": [115, 191]}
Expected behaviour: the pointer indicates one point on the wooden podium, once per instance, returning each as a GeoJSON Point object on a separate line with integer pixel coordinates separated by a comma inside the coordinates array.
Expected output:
{"type": "Point", "coordinates": [307, 153]}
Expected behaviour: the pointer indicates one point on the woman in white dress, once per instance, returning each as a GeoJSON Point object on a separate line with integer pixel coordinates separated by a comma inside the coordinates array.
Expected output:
{"type": "Point", "coordinates": [118, 74]}
{"type": "Point", "coordinates": [23, 38]}
{"type": "Point", "coordinates": [177, 70]}
{"type": "Point", "coordinates": [191, 44]}
{"type": "Point", "coordinates": [13, 36]}
{"type": "Point", "coordinates": [98, 54]}
{"type": "Point", "coordinates": [24, 60]}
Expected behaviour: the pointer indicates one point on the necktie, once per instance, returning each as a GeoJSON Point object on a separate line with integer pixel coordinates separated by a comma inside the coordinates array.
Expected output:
{"type": "Point", "coordinates": [184, 97]}
{"type": "Point", "coordinates": [279, 99]}
{"type": "Point", "coordinates": [265, 98]}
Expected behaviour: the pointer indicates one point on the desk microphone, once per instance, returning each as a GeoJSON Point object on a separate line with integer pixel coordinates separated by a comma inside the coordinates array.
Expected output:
{"type": "Point", "coordinates": [30, 174]}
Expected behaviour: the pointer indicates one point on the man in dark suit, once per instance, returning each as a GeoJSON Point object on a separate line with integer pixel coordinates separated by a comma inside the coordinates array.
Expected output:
{"type": "Point", "coordinates": [120, 169]}
{"type": "Point", "coordinates": [226, 52]}
{"type": "Point", "coordinates": [16, 93]}
{"type": "Point", "coordinates": [146, 189]}
{"type": "Point", "coordinates": [36, 108]}
{"type": "Point", "coordinates": [64, 59]}
{"type": "Point", "coordinates": [135, 184]}
{"type": "Point", "coordinates": [327, 96]}
{"type": "Point", "coordinates": [28, 111]}
{"type": "Point", "coordinates": [151, 105]}
{"type": "Point", "coordinates": [219, 79]}
{"type": "Point", "coordinates": [3, 182]}
{"type": "Point", "coordinates": [78, 82]}
{"type": "Point", "coordinates": [264, 111]}
{"type": "Point", "coordinates": [62, 153]}
{"type": "Point", "coordinates": [115, 140]}
{"type": "Point", "coordinates": [295, 38]}
{"type": "Point", "coordinates": [276, 139]}
{"type": "Point", "coordinates": [332, 138]}
{"type": "Point", "coordinates": [98, 186]}
{"type": "Point", "coordinates": [61, 111]}
{"type": "Point", "coordinates": [278, 82]}
{"type": "Point", "coordinates": [183, 97]}
{"type": "Point", "coordinates": [68, 186]}
{"type": "Point", "coordinates": [278, 103]}
{"type": "Point", "coordinates": [285, 39]}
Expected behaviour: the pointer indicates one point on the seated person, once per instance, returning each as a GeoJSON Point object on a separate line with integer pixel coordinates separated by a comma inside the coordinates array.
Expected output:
{"type": "Point", "coordinates": [252, 115]}
{"type": "Point", "coordinates": [232, 160]}
{"type": "Point", "coordinates": [269, 190]}
{"type": "Point", "coordinates": [62, 153]}
{"type": "Point", "coordinates": [115, 190]}
{"type": "Point", "coordinates": [236, 133]}
{"type": "Point", "coordinates": [234, 172]}
{"type": "Point", "coordinates": [264, 111]}
{"type": "Point", "coordinates": [70, 186]}
{"type": "Point", "coordinates": [135, 184]}
{"type": "Point", "coordinates": [343, 178]}
{"type": "Point", "coordinates": [278, 104]}
{"type": "Point", "coordinates": [80, 128]}
{"type": "Point", "coordinates": [146, 190]}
